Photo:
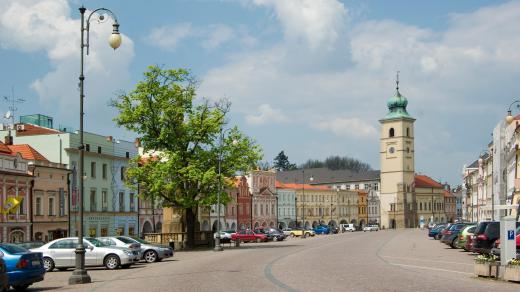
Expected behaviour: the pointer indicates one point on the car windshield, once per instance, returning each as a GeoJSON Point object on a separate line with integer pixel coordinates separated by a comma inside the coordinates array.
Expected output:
{"type": "Point", "coordinates": [140, 240]}
{"type": "Point", "coordinates": [12, 249]}
{"type": "Point", "coordinates": [95, 242]}
{"type": "Point", "coordinates": [125, 239]}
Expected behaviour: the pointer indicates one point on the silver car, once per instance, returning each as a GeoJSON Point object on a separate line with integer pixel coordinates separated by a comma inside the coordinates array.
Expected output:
{"type": "Point", "coordinates": [60, 254]}
{"type": "Point", "coordinates": [121, 241]}
{"type": "Point", "coordinates": [150, 252]}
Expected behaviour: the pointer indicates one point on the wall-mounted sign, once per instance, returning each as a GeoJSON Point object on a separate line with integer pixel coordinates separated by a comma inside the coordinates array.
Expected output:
{"type": "Point", "coordinates": [11, 204]}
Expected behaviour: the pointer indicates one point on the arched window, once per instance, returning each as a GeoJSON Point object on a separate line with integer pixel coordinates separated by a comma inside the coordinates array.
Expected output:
{"type": "Point", "coordinates": [391, 132]}
{"type": "Point", "coordinates": [407, 132]}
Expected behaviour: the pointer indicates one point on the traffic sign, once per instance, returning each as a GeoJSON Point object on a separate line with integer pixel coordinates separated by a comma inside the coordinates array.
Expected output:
{"type": "Point", "coordinates": [510, 235]}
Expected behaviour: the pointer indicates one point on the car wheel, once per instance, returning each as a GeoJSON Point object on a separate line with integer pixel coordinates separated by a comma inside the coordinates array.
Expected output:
{"type": "Point", "coordinates": [454, 243]}
{"type": "Point", "coordinates": [150, 256]}
{"type": "Point", "coordinates": [275, 238]}
{"type": "Point", "coordinates": [48, 264]}
{"type": "Point", "coordinates": [112, 262]}
{"type": "Point", "coordinates": [258, 240]}
{"type": "Point", "coordinates": [292, 234]}
{"type": "Point", "coordinates": [21, 287]}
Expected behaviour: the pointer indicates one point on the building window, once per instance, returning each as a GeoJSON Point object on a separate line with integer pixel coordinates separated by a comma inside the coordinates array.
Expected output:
{"type": "Point", "coordinates": [93, 206]}
{"type": "Point", "coordinates": [391, 133]}
{"type": "Point", "coordinates": [38, 206]}
{"type": "Point", "coordinates": [104, 171]}
{"type": "Point", "coordinates": [347, 187]}
{"type": "Point", "coordinates": [51, 206]}
{"type": "Point", "coordinates": [93, 169]}
{"type": "Point", "coordinates": [127, 154]}
{"type": "Point", "coordinates": [132, 202]}
{"type": "Point", "coordinates": [366, 187]}
{"type": "Point", "coordinates": [376, 186]}
{"type": "Point", "coordinates": [99, 149]}
{"type": "Point", "coordinates": [121, 202]}
{"type": "Point", "coordinates": [356, 187]}
{"type": "Point", "coordinates": [407, 132]}
{"type": "Point", "coordinates": [104, 201]}
{"type": "Point", "coordinates": [87, 147]}
{"type": "Point", "coordinates": [122, 173]}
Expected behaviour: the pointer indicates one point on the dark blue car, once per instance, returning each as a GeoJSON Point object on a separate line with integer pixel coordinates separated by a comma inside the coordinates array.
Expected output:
{"type": "Point", "coordinates": [434, 232]}
{"type": "Point", "coordinates": [321, 229]}
{"type": "Point", "coordinates": [23, 267]}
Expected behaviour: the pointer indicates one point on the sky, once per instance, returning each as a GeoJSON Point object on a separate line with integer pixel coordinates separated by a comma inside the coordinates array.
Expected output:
{"type": "Point", "coordinates": [310, 77]}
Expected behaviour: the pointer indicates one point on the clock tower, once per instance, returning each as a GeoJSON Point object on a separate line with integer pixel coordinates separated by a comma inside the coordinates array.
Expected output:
{"type": "Point", "coordinates": [397, 164]}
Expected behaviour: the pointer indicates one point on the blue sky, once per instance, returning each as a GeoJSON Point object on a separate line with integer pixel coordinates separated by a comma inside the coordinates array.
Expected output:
{"type": "Point", "coordinates": [310, 77]}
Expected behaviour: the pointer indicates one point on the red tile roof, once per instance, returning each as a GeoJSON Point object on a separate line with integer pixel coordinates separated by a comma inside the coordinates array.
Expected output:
{"type": "Point", "coordinates": [30, 130]}
{"type": "Point", "coordinates": [280, 185]}
{"type": "Point", "coordinates": [424, 181]}
{"type": "Point", "coordinates": [27, 152]}
{"type": "Point", "coordinates": [4, 148]}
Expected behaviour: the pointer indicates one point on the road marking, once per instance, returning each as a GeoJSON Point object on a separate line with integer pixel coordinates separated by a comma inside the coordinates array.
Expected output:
{"type": "Point", "coordinates": [429, 268]}
{"type": "Point", "coordinates": [424, 260]}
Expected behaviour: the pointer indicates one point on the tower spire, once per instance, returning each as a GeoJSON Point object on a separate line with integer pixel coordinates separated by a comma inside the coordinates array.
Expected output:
{"type": "Point", "coordinates": [397, 81]}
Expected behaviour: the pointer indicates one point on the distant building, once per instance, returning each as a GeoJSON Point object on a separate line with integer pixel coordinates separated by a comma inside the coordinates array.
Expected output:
{"type": "Point", "coordinates": [244, 204]}
{"type": "Point", "coordinates": [286, 206]}
{"type": "Point", "coordinates": [262, 186]}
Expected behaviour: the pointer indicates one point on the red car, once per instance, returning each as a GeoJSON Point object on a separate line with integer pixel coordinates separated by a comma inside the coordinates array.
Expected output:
{"type": "Point", "coordinates": [496, 249]}
{"type": "Point", "coordinates": [248, 236]}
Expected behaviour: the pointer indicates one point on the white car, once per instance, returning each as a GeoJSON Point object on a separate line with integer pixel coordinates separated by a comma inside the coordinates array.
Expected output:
{"type": "Point", "coordinates": [347, 227]}
{"type": "Point", "coordinates": [121, 241]}
{"type": "Point", "coordinates": [150, 252]}
{"type": "Point", "coordinates": [60, 254]}
{"type": "Point", "coordinates": [287, 231]}
{"type": "Point", "coordinates": [225, 235]}
{"type": "Point", "coordinates": [371, 228]}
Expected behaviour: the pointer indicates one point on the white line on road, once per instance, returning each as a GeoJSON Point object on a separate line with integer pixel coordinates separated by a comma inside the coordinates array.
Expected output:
{"type": "Point", "coordinates": [424, 260]}
{"type": "Point", "coordinates": [429, 268]}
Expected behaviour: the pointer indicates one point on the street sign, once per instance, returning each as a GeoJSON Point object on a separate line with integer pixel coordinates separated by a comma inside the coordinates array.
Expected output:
{"type": "Point", "coordinates": [510, 235]}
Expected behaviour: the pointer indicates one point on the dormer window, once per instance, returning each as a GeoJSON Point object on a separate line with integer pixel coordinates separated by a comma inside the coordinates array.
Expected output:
{"type": "Point", "coordinates": [391, 133]}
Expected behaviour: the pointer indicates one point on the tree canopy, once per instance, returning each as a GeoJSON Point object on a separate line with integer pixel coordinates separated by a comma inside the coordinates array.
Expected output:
{"type": "Point", "coordinates": [338, 162]}
{"type": "Point", "coordinates": [281, 162]}
{"type": "Point", "coordinates": [182, 137]}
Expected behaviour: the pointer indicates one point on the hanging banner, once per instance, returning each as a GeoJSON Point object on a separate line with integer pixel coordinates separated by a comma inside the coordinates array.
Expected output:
{"type": "Point", "coordinates": [11, 204]}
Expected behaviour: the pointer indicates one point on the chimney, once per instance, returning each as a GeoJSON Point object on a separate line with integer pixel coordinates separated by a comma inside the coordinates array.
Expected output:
{"type": "Point", "coordinates": [9, 140]}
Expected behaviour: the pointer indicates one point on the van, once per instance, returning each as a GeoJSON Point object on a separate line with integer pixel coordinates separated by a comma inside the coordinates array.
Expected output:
{"type": "Point", "coordinates": [347, 227]}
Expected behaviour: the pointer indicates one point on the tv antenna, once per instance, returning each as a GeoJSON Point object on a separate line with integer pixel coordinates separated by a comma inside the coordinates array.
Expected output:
{"type": "Point", "coordinates": [12, 101]}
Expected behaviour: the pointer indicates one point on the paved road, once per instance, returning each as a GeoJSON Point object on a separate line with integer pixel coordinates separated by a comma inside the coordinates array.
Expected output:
{"type": "Point", "coordinates": [403, 260]}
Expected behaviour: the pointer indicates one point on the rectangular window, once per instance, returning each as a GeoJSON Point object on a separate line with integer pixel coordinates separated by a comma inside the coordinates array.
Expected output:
{"type": "Point", "coordinates": [93, 207]}
{"type": "Point", "coordinates": [38, 206]}
{"type": "Point", "coordinates": [21, 208]}
{"type": "Point", "coordinates": [356, 187]}
{"type": "Point", "coordinates": [51, 206]}
{"type": "Point", "coordinates": [366, 187]}
{"type": "Point", "coordinates": [348, 187]}
{"type": "Point", "coordinates": [131, 231]}
{"type": "Point", "coordinates": [104, 171]}
{"type": "Point", "coordinates": [121, 202]}
{"type": "Point", "coordinates": [104, 231]}
{"type": "Point", "coordinates": [99, 149]}
{"type": "Point", "coordinates": [93, 169]}
{"type": "Point", "coordinates": [104, 201]}
{"type": "Point", "coordinates": [376, 187]}
{"type": "Point", "coordinates": [132, 202]}
{"type": "Point", "coordinates": [127, 154]}
{"type": "Point", "coordinates": [122, 173]}
{"type": "Point", "coordinates": [87, 147]}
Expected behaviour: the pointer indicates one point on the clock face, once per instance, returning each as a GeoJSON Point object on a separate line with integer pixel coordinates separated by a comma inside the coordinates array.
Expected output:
{"type": "Point", "coordinates": [391, 150]}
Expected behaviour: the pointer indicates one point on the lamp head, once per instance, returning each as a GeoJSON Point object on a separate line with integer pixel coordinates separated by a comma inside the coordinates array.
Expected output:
{"type": "Point", "coordinates": [509, 118]}
{"type": "Point", "coordinates": [115, 38]}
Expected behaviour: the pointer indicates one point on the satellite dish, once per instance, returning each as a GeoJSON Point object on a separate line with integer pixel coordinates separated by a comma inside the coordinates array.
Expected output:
{"type": "Point", "coordinates": [8, 115]}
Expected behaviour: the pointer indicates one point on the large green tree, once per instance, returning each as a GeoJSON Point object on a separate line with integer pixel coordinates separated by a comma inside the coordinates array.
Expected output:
{"type": "Point", "coordinates": [281, 162]}
{"type": "Point", "coordinates": [182, 134]}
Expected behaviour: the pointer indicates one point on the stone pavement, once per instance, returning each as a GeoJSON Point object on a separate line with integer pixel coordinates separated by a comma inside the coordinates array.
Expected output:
{"type": "Point", "coordinates": [403, 260]}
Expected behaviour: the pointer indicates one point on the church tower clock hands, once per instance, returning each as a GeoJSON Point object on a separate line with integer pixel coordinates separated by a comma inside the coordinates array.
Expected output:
{"type": "Point", "coordinates": [397, 164]}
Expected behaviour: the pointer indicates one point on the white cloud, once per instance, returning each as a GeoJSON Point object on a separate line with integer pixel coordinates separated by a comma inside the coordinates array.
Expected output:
{"type": "Point", "coordinates": [218, 35]}
{"type": "Point", "coordinates": [347, 127]}
{"type": "Point", "coordinates": [169, 37]}
{"type": "Point", "coordinates": [317, 22]}
{"type": "Point", "coordinates": [47, 25]}
{"type": "Point", "coordinates": [464, 73]}
{"type": "Point", "coordinates": [266, 114]}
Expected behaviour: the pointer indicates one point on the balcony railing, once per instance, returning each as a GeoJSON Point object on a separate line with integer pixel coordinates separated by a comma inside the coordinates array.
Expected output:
{"type": "Point", "coordinates": [201, 238]}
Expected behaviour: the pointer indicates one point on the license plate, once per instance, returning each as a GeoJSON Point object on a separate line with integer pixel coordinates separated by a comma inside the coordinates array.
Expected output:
{"type": "Point", "coordinates": [35, 263]}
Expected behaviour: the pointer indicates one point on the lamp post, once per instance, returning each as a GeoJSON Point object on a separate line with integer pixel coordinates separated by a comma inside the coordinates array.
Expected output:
{"type": "Point", "coordinates": [218, 246]}
{"type": "Point", "coordinates": [295, 211]}
{"type": "Point", "coordinates": [80, 275]}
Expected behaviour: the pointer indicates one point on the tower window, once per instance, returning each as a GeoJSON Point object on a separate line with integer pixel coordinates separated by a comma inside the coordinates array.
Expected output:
{"type": "Point", "coordinates": [407, 132]}
{"type": "Point", "coordinates": [391, 132]}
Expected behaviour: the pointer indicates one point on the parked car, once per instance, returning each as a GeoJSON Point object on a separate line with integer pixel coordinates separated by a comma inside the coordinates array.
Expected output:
{"type": "Point", "coordinates": [321, 229]}
{"type": "Point", "coordinates": [435, 231]}
{"type": "Point", "coordinates": [4, 282]}
{"type": "Point", "coordinates": [470, 241]}
{"type": "Point", "coordinates": [272, 233]}
{"type": "Point", "coordinates": [334, 229]}
{"type": "Point", "coordinates": [151, 252]}
{"type": "Point", "coordinates": [371, 228]}
{"type": "Point", "coordinates": [31, 244]}
{"type": "Point", "coordinates": [121, 241]}
{"type": "Point", "coordinates": [23, 266]}
{"type": "Point", "coordinates": [486, 233]}
{"type": "Point", "coordinates": [496, 248]}
{"type": "Point", "coordinates": [60, 254]}
{"type": "Point", "coordinates": [225, 235]}
{"type": "Point", "coordinates": [287, 231]}
{"type": "Point", "coordinates": [248, 235]}
{"type": "Point", "coordinates": [302, 232]}
{"type": "Point", "coordinates": [463, 235]}
{"type": "Point", "coordinates": [451, 235]}
{"type": "Point", "coordinates": [347, 227]}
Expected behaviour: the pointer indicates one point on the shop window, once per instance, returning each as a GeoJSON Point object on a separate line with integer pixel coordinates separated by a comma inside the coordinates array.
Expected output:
{"type": "Point", "coordinates": [92, 232]}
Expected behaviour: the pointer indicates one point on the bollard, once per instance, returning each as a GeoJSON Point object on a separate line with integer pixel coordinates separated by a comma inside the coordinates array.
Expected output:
{"type": "Point", "coordinates": [172, 244]}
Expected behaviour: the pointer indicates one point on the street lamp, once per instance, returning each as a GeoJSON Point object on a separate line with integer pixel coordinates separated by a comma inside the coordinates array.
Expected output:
{"type": "Point", "coordinates": [218, 246]}
{"type": "Point", "coordinates": [509, 120]}
{"type": "Point", "coordinates": [80, 275]}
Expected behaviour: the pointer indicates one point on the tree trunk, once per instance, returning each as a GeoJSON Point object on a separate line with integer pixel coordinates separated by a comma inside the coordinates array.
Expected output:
{"type": "Point", "coordinates": [191, 219]}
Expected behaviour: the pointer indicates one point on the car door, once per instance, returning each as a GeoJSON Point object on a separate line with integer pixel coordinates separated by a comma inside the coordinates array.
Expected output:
{"type": "Point", "coordinates": [90, 254]}
{"type": "Point", "coordinates": [62, 252]}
